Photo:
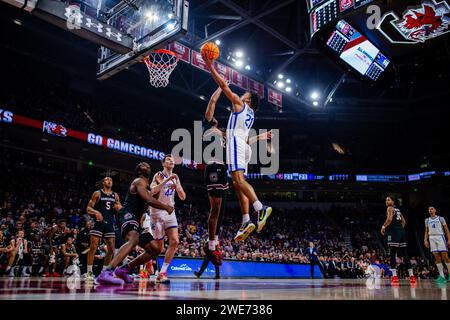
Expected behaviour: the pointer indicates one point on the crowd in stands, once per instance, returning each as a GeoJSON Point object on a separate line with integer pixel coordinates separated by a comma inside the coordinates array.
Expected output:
{"type": "Point", "coordinates": [38, 198]}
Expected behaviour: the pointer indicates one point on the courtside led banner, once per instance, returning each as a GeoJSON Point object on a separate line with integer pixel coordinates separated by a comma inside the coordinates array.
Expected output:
{"type": "Point", "coordinates": [185, 267]}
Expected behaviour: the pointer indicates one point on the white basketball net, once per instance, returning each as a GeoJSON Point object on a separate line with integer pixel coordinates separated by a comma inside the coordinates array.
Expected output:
{"type": "Point", "coordinates": [160, 65]}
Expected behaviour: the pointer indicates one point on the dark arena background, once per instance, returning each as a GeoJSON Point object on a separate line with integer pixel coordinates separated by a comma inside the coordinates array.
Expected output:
{"type": "Point", "coordinates": [356, 93]}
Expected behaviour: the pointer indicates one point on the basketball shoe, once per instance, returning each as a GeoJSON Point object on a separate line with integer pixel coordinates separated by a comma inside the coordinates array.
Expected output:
{"type": "Point", "coordinates": [88, 276]}
{"type": "Point", "coordinates": [162, 278]}
{"type": "Point", "coordinates": [123, 273]}
{"type": "Point", "coordinates": [212, 255]}
{"type": "Point", "coordinates": [107, 277]}
{"type": "Point", "coordinates": [412, 279]}
{"type": "Point", "coordinates": [394, 280]}
{"type": "Point", "coordinates": [244, 231]}
{"type": "Point", "coordinates": [263, 215]}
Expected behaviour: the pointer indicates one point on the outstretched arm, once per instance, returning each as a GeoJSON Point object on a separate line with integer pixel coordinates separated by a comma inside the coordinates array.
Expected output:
{"type": "Point", "coordinates": [146, 195]}
{"type": "Point", "coordinates": [263, 136]}
{"type": "Point", "coordinates": [209, 113]}
{"type": "Point", "coordinates": [234, 98]}
{"type": "Point", "coordinates": [390, 216]}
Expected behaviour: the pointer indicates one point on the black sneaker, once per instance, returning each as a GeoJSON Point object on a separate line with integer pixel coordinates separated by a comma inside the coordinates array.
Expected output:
{"type": "Point", "coordinates": [197, 274]}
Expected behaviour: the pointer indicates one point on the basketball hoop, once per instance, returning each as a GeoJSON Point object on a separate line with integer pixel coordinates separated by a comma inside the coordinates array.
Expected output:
{"type": "Point", "coordinates": [160, 65]}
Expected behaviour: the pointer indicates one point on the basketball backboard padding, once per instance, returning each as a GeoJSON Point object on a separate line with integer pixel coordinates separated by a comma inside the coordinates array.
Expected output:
{"type": "Point", "coordinates": [155, 24]}
{"type": "Point", "coordinates": [69, 18]}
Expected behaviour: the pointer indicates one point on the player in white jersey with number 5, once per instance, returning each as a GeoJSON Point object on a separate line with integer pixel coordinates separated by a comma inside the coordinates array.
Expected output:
{"type": "Point", "coordinates": [163, 223]}
{"type": "Point", "coordinates": [238, 152]}
{"type": "Point", "coordinates": [435, 231]}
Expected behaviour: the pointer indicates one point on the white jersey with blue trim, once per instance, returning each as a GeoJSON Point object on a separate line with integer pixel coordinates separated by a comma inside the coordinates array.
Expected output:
{"type": "Point", "coordinates": [237, 147]}
{"type": "Point", "coordinates": [166, 195]}
{"type": "Point", "coordinates": [435, 226]}
{"type": "Point", "coordinates": [240, 123]}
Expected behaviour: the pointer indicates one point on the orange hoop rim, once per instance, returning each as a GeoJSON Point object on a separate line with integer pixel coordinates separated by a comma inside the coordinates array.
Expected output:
{"type": "Point", "coordinates": [159, 65]}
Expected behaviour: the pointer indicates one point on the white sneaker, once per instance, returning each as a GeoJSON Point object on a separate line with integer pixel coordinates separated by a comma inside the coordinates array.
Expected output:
{"type": "Point", "coordinates": [263, 215]}
{"type": "Point", "coordinates": [244, 231]}
{"type": "Point", "coordinates": [25, 273]}
{"type": "Point", "coordinates": [11, 273]}
{"type": "Point", "coordinates": [88, 276]}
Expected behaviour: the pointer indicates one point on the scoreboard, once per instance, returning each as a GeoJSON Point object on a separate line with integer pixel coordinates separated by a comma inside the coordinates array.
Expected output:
{"type": "Point", "coordinates": [357, 51]}
{"type": "Point", "coordinates": [324, 13]}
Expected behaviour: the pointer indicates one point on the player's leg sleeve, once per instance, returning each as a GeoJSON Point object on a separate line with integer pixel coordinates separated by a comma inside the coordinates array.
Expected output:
{"type": "Point", "coordinates": [221, 215]}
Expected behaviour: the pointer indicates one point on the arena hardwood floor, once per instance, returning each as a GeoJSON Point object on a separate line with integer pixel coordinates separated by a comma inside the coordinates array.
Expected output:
{"type": "Point", "coordinates": [233, 289]}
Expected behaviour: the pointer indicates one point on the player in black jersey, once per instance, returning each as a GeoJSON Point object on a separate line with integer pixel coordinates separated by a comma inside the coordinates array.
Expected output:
{"type": "Point", "coordinates": [138, 198]}
{"type": "Point", "coordinates": [394, 229]}
{"type": "Point", "coordinates": [38, 256]}
{"type": "Point", "coordinates": [101, 207]}
{"type": "Point", "coordinates": [56, 236]}
{"type": "Point", "coordinates": [68, 253]}
{"type": "Point", "coordinates": [216, 181]}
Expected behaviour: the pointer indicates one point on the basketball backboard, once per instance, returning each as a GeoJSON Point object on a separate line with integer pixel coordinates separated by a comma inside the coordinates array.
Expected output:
{"type": "Point", "coordinates": [151, 23]}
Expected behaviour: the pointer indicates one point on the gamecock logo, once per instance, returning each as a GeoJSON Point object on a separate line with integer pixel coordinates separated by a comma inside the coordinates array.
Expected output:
{"type": "Point", "coordinates": [425, 23]}
{"type": "Point", "coordinates": [55, 129]}
{"type": "Point", "coordinates": [418, 24]}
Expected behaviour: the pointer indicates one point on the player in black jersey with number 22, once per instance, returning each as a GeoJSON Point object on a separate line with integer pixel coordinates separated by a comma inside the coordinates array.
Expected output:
{"type": "Point", "coordinates": [101, 207]}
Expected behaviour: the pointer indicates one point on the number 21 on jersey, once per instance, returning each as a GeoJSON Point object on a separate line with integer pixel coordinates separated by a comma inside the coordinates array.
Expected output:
{"type": "Point", "coordinates": [249, 120]}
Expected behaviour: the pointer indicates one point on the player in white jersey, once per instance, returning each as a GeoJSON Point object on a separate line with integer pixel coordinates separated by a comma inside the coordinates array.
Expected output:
{"type": "Point", "coordinates": [163, 223]}
{"type": "Point", "coordinates": [238, 152]}
{"type": "Point", "coordinates": [435, 231]}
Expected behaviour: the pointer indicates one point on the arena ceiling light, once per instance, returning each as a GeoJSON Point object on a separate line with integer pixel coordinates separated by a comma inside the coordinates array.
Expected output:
{"type": "Point", "coordinates": [315, 95]}
{"type": "Point", "coordinates": [171, 26]}
{"type": "Point", "coordinates": [288, 89]}
{"type": "Point", "coordinates": [239, 54]}
{"type": "Point", "coordinates": [288, 80]}
{"type": "Point", "coordinates": [280, 76]}
{"type": "Point", "coordinates": [247, 67]}
{"type": "Point", "coordinates": [239, 63]}
{"type": "Point", "coordinates": [152, 16]}
{"type": "Point", "coordinates": [217, 42]}
{"type": "Point", "coordinates": [280, 84]}
{"type": "Point", "coordinates": [315, 103]}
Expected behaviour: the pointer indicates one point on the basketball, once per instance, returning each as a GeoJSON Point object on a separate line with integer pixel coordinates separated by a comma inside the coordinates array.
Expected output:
{"type": "Point", "coordinates": [210, 51]}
